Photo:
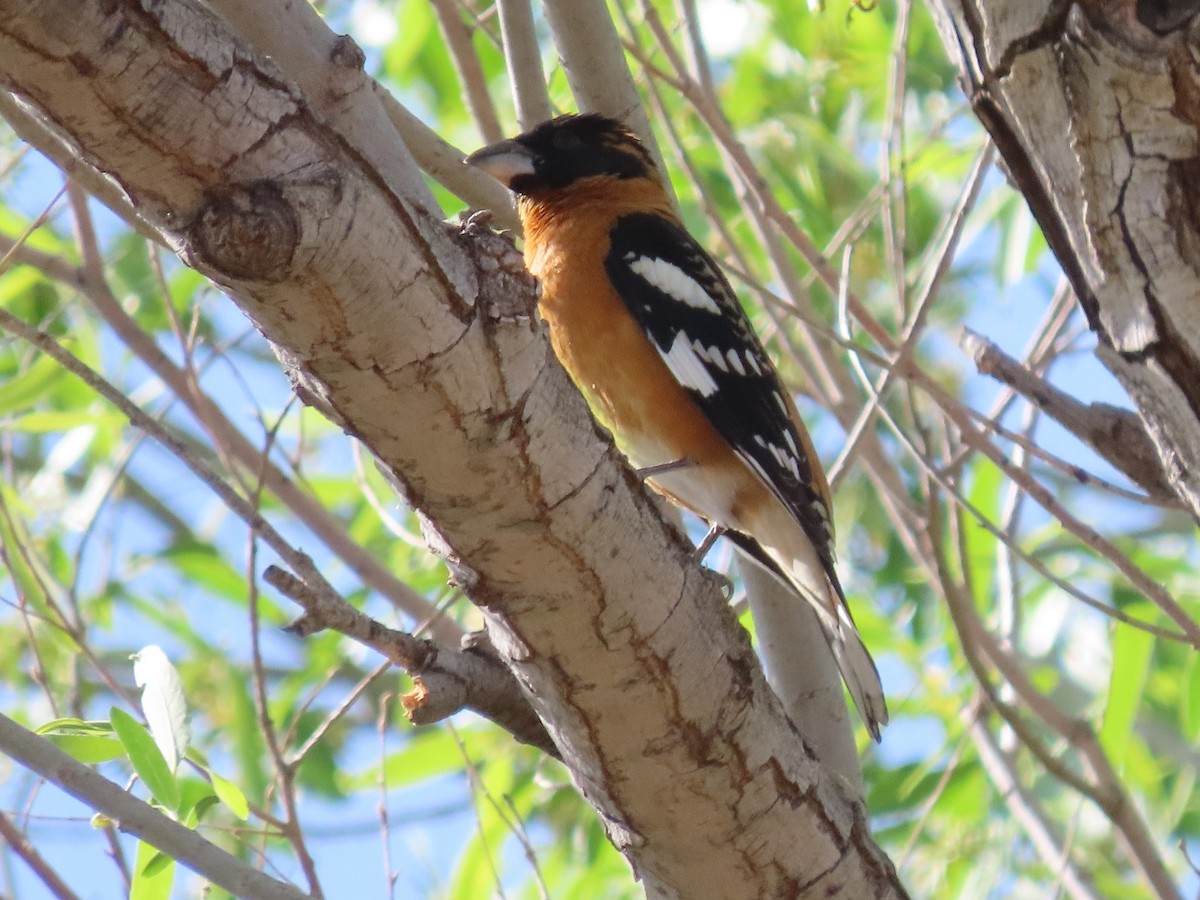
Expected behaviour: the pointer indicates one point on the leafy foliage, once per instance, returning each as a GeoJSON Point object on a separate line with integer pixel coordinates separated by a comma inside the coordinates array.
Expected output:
{"type": "Point", "coordinates": [853, 120]}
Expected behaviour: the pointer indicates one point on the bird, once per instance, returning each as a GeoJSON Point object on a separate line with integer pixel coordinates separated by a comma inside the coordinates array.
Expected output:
{"type": "Point", "coordinates": [652, 333]}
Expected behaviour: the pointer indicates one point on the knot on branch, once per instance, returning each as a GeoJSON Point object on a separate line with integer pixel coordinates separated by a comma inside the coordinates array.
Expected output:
{"type": "Point", "coordinates": [347, 54]}
{"type": "Point", "coordinates": [247, 233]}
{"type": "Point", "coordinates": [507, 292]}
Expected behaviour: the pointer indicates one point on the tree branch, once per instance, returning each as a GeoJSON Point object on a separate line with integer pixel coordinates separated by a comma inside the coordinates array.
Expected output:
{"type": "Point", "coordinates": [1116, 434]}
{"type": "Point", "coordinates": [523, 59]}
{"type": "Point", "coordinates": [447, 680]}
{"type": "Point", "coordinates": [1096, 118]}
{"type": "Point", "coordinates": [137, 818]}
{"type": "Point", "coordinates": [634, 662]}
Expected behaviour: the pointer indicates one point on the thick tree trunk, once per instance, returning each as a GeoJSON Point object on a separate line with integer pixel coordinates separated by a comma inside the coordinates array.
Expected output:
{"type": "Point", "coordinates": [1095, 109]}
{"type": "Point", "coordinates": [305, 209]}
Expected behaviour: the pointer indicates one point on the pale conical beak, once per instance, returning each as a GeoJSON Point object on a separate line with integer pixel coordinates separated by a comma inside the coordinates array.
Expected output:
{"type": "Point", "coordinates": [504, 161]}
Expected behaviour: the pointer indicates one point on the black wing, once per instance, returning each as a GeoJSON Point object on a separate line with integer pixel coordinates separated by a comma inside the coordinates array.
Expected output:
{"type": "Point", "coordinates": [687, 307]}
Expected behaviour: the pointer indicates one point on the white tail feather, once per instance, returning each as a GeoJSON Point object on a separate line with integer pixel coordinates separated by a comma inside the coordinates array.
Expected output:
{"type": "Point", "coordinates": [805, 573]}
{"type": "Point", "coordinates": [859, 672]}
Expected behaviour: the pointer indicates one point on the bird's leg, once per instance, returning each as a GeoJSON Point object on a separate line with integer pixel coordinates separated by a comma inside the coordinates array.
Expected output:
{"type": "Point", "coordinates": [714, 532]}
{"type": "Point", "coordinates": [662, 468]}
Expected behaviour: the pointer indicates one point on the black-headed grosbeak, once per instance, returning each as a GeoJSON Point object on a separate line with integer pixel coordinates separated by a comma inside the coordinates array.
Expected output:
{"type": "Point", "coordinates": [651, 332]}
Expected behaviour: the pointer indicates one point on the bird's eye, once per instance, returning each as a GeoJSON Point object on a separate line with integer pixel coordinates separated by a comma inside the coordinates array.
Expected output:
{"type": "Point", "coordinates": [565, 140]}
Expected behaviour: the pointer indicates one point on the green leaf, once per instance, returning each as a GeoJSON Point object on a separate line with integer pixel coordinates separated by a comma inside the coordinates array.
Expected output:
{"type": "Point", "coordinates": [201, 810]}
{"type": "Point", "coordinates": [88, 749]}
{"type": "Point", "coordinates": [153, 874]}
{"type": "Point", "coordinates": [1190, 701]}
{"type": "Point", "coordinates": [986, 495]}
{"type": "Point", "coordinates": [20, 391]}
{"type": "Point", "coordinates": [205, 566]}
{"type": "Point", "coordinates": [156, 864]}
{"type": "Point", "coordinates": [146, 759]}
{"type": "Point", "coordinates": [1132, 652]}
{"type": "Point", "coordinates": [192, 793]}
{"type": "Point", "coordinates": [49, 421]}
{"type": "Point", "coordinates": [430, 753]}
{"type": "Point", "coordinates": [231, 796]}
{"type": "Point", "coordinates": [73, 725]}
{"type": "Point", "coordinates": [163, 703]}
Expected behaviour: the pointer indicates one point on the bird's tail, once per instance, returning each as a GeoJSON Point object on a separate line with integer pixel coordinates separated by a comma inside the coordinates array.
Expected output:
{"type": "Point", "coordinates": [857, 668]}
{"type": "Point", "coordinates": [793, 558]}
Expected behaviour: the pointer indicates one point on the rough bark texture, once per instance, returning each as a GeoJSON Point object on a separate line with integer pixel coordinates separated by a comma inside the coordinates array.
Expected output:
{"type": "Point", "coordinates": [1095, 108]}
{"type": "Point", "coordinates": [384, 318]}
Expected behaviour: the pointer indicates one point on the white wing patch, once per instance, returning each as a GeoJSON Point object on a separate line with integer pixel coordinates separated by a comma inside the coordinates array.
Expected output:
{"type": "Point", "coordinates": [674, 282]}
{"type": "Point", "coordinates": [711, 355]}
{"type": "Point", "coordinates": [785, 460]}
{"type": "Point", "coordinates": [687, 367]}
{"type": "Point", "coordinates": [787, 436]}
{"type": "Point", "coordinates": [736, 361]}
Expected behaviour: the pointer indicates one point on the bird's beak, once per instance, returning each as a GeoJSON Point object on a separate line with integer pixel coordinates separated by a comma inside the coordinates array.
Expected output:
{"type": "Point", "coordinates": [504, 161]}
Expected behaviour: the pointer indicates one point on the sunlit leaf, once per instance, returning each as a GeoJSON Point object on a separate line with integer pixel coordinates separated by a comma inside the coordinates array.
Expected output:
{"type": "Point", "coordinates": [231, 796]}
{"type": "Point", "coordinates": [1132, 653]}
{"type": "Point", "coordinates": [153, 874]}
{"type": "Point", "coordinates": [163, 703]}
{"type": "Point", "coordinates": [145, 757]}
{"type": "Point", "coordinates": [89, 749]}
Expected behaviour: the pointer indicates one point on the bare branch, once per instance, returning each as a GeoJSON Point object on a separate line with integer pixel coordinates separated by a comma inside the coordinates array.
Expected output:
{"type": "Point", "coordinates": [328, 70]}
{"type": "Point", "coordinates": [231, 441]}
{"type": "Point", "coordinates": [444, 163]}
{"type": "Point", "coordinates": [19, 844]}
{"type": "Point", "coordinates": [1116, 434]}
{"type": "Point", "coordinates": [480, 682]}
{"type": "Point", "coordinates": [594, 603]}
{"type": "Point", "coordinates": [1110, 180]}
{"type": "Point", "coordinates": [470, 71]}
{"type": "Point", "coordinates": [1100, 784]}
{"type": "Point", "coordinates": [135, 817]}
{"type": "Point", "coordinates": [523, 59]}
{"type": "Point", "coordinates": [31, 129]}
{"type": "Point", "coordinates": [1026, 809]}
{"type": "Point", "coordinates": [592, 57]}
{"type": "Point", "coordinates": [446, 680]}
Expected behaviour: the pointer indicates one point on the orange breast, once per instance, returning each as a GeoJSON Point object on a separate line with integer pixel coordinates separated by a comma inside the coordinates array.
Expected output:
{"type": "Point", "coordinates": [628, 386]}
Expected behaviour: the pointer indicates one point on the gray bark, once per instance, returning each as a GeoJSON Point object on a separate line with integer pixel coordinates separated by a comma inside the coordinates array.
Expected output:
{"type": "Point", "coordinates": [1095, 108]}
{"type": "Point", "coordinates": [303, 207]}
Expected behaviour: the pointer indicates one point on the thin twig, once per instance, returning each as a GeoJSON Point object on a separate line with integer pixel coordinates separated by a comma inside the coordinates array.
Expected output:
{"type": "Point", "coordinates": [19, 844]}
{"type": "Point", "coordinates": [297, 755]}
{"type": "Point", "coordinates": [285, 771]}
{"type": "Point", "coordinates": [955, 221]}
{"type": "Point", "coordinates": [1116, 434]}
{"type": "Point", "coordinates": [1031, 487]}
{"type": "Point", "coordinates": [518, 826]}
{"type": "Point", "coordinates": [1104, 788]}
{"type": "Point", "coordinates": [138, 818]}
{"type": "Point", "coordinates": [470, 70]}
{"type": "Point", "coordinates": [230, 441]}
{"type": "Point", "coordinates": [476, 784]}
{"type": "Point", "coordinates": [892, 162]}
{"type": "Point", "coordinates": [1027, 810]}
{"type": "Point", "coordinates": [382, 727]}
{"type": "Point", "coordinates": [927, 808]}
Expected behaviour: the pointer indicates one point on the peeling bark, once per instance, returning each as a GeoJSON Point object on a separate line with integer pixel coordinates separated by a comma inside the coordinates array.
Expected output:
{"type": "Point", "coordinates": [391, 323]}
{"type": "Point", "coordinates": [1095, 109]}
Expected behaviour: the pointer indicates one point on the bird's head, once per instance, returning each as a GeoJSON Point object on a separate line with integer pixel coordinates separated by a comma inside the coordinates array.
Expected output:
{"type": "Point", "coordinates": [564, 151]}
